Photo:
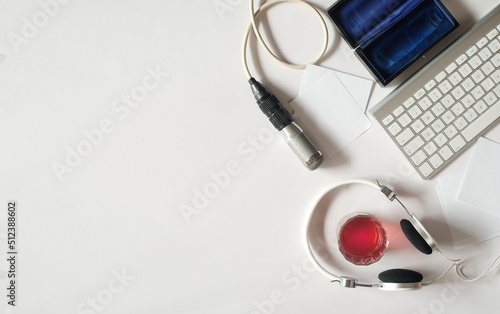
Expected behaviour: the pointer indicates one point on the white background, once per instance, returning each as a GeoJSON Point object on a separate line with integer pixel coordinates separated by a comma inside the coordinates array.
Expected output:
{"type": "Point", "coordinates": [110, 232]}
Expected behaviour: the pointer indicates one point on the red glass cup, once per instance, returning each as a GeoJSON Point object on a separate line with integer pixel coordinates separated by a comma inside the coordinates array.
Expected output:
{"type": "Point", "coordinates": [362, 239]}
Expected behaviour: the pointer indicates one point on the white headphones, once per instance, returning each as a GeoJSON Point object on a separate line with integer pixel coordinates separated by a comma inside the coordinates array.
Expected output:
{"type": "Point", "coordinates": [415, 232]}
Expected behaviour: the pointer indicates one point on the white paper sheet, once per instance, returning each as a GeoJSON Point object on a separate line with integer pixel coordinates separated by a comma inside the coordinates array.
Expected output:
{"type": "Point", "coordinates": [468, 225]}
{"type": "Point", "coordinates": [481, 184]}
{"type": "Point", "coordinates": [359, 88]}
{"type": "Point", "coordinates": [328, 110]}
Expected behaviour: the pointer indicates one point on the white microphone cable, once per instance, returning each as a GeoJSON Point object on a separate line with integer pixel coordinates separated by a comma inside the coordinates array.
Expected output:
{"type": "Point", "coordinates": [253, 26]}
{"type": "Point", "coordinates": [295, 137]}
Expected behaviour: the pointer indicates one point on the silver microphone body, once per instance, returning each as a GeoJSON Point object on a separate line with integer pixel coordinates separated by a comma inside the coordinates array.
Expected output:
{"type": "Point", "coordinates": [296, 138]}
{"type": "Point", "coordinates": [302, 146]}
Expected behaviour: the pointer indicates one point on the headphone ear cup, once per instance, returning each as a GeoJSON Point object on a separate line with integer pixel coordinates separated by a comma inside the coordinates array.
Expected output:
{"type": "Point", "coordinates": [400, 276]}
{"type": "Point", "coordinates": [415, 237]}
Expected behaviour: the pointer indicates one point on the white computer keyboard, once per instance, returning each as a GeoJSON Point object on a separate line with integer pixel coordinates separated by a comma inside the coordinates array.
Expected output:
{"type": "Point", "coordinates": [451, 101]}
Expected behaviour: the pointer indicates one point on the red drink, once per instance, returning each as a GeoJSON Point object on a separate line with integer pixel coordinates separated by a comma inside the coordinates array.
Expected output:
{"type": "Point", "coordinates": [363, 240]}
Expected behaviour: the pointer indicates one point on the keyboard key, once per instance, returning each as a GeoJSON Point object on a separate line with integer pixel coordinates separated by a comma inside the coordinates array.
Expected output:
{"type": "Point", "coordinates": [458, 93]}
{"type": "Point", "coordinates": [419, 157]}
{"type": "Point", "coordinates": [468, 101]}
{"type": "Point", "coordinates": [490, 99]}
{"type": "Point", "coordinates": [496, 76]}
{"type": "Point", "coordinates": [496, 60]}
{"type": "Point", "coordinates": [448, 117]}
{"type": "Point", "coordinates": [482, 122]}
{"type": "Point", "coordinates": [461, 59]}
{"type": "Point", "coordinates": [430, 148]}
{"type": "Point", "coordinates": [440, 139]}
{"type": "Point", "coordinates": [445, 152]}
{"type": "Point", "coordinates": [417, 126]}
{"type": "Point", "coordinates": [450, 131]}
{"type": "Point", "coordinates": [480, 106]}
{"type": "Point", "coordinates": [438, 125]}
{"type": "Point", "coordinates": [452, 67]}
{"type": "Point", "coordinates": [404, 120]}
{"type": "Point", "coordinates": [488, 68]}
{"type": "Point", "coordinates": [414, 145]}
{"type": "Point", "coordinates": [420, 93]}
{"type": "Point", "coordinates": [470, 115]}
{"type": "Point", "coordinates": [428, 134]}
{"type": "Point", "coordinates": [472, 50]}
{"type": "Point", "coordinates": [388, 119]}
{"type": "Point", "coordinates": [436, 161]}
{"type": "Point", "coordinates": [441, 76]}
{"type": "Point", "coordinates": [485, 54]}
{"type": "Point", "coordinates": [435, 94]}
{"type": "Point", "coordinates": [415, 111]}
{"type": "Point", "coordinates": [482, 42]}
{"type": "Point", "coordinates": [494, 45]}
{"type": "Point", "coordinates": [478, 76]}
{"type": "Point", "coordinates": [425, 169]}
{"type": "Point", "coordinates": [460, 123]}
{"type": "Point", "coordinates": [448, 101]}
{"type": "Point", "coordinates": [478, 92]}
{"type": "Point", "coordinates": [458, 109]}
{"type": "Point", "coordinates": [466, 70]}
{"type": "Point", "coordinates": [410, 101]}
{"type": "Point", "coordinates": [497, 90]}
{"type": "Point", "coordinates": [487, 84]}
{"type": "Point", "coordinates": [455, 78]}
{"type": "Point", "coordinates": [425, 103]}
{"type": "Point", "coordinates": [394, 128]}
{"type": "Point", "coordinates": [445, 87]}
{"type": "Point", "coordinates": [398, 111]}
{"type": "Point", "coordinates": [430, 85]}
{"type": "Point", "coordinates": [468, 84]}
{"type": "Point", "coordinates": [457, 143]}
{"type": "Point", "coordinates": [427, 117]}
{"type": "Point", "coordinates": [404, 137]}
{"type": "Point", "coordinates": [492, 34]}
{"type": "Point", "coordinates": [475, 62]}
{"type": "Point", "coordinates": [438, 109]}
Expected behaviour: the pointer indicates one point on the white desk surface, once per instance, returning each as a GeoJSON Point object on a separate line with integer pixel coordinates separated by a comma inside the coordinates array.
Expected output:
{"type": "Point", "coordinates": [106, 233]}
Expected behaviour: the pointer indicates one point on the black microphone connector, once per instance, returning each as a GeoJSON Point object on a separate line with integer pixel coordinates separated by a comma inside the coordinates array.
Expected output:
{"type": "Point", "coordinates": [282, 120]}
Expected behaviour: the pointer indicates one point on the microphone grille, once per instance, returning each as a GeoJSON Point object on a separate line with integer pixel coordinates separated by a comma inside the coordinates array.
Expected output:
{"type": "Point", "coordinates": [308, 153]}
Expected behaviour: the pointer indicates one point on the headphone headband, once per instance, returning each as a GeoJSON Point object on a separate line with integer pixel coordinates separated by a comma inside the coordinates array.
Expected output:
{"type": "Point", "coordinates": [405, 279]}
{"type": "Point", "coordinates": [414, 230]}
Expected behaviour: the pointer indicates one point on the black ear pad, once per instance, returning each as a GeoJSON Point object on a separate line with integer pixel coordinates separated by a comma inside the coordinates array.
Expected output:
{"type": "Point", "coordinates": [414, 237]}
{"type": "Point", "coordinates": [400, 276]}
